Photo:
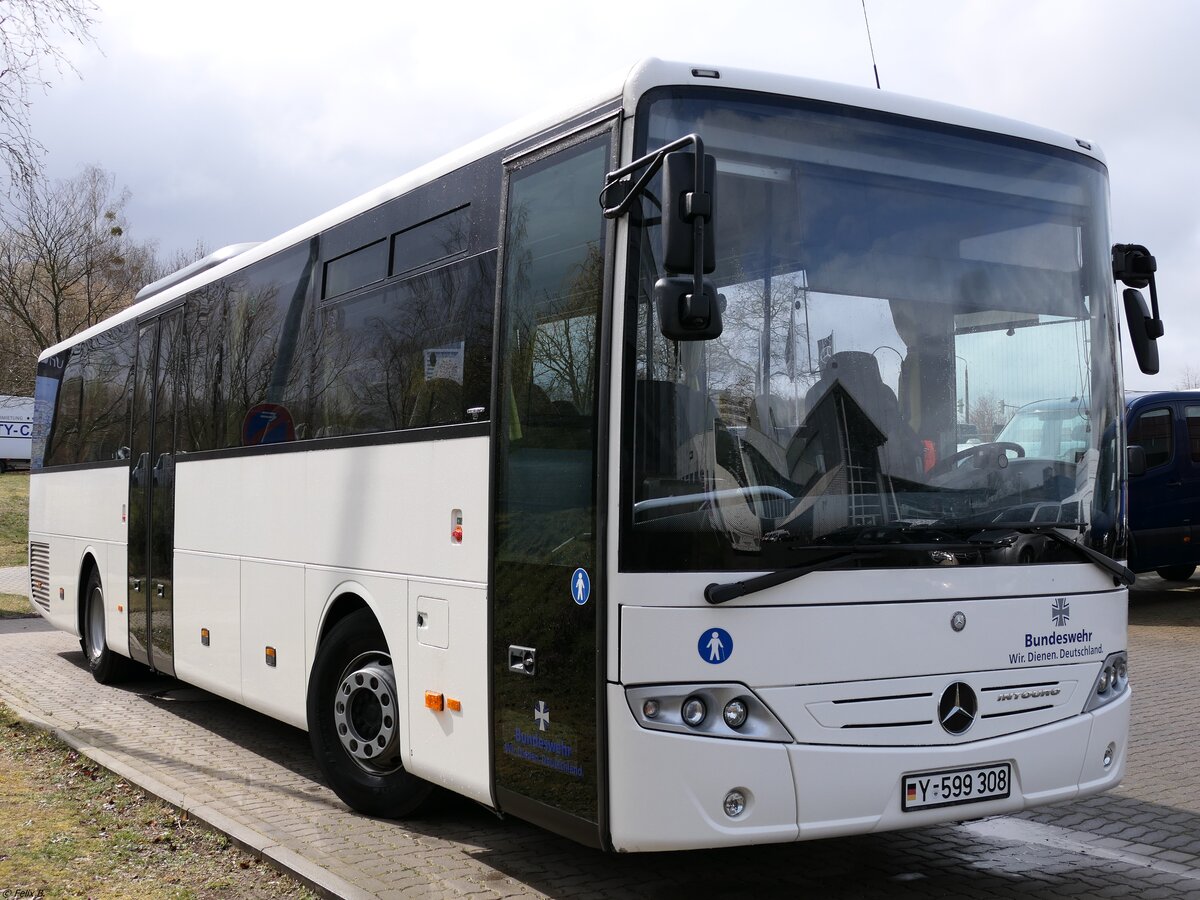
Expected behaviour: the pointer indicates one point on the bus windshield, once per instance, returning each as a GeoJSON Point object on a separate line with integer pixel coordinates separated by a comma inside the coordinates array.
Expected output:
{"type": "Point", "coordinates": [887, 284]}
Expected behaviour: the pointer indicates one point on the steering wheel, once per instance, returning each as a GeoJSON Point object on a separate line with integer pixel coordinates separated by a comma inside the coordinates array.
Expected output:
{"type": "Point", "coordinates": [945, 465]}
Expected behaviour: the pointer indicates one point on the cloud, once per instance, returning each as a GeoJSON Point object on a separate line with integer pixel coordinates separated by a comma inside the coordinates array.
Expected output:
{"type": "Point", "coordinates": [241, 120]}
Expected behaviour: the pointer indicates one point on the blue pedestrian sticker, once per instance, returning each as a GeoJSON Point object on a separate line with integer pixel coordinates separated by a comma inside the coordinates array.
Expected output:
{"type": "Point", "coordinates": [581, 586]}
{"type": "Point", "coordinates": [715, 646]}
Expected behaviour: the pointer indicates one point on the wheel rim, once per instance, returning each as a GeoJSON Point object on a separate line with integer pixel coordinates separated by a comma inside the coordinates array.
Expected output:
{"type": "Point", "coordinates": [365, 713]}
{"type": "Point", "coordinates": [95, 623]}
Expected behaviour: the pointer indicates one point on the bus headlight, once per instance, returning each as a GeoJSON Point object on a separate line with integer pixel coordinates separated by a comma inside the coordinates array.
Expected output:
{"type": "Point", "coordinates": [694, 711]}
{"type": "Point", "coordinates": [685, 709]}
{"type": "Point", "coordinates": [1111, 682]}
{"type": "Point", "coordinates": [735, 713]}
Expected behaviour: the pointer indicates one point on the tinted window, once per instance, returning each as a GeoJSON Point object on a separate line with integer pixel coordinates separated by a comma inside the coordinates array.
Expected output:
{"type": "Point", "coordinates": [45, 393]}
{"type": "Point", "coordinates": [1192, 415]}
{"type": "Point", "coordinates": [357, 269]}
{"type": "Point", "coordinates": [64, 443]}
{"type": "Point", "coordinates": [1153, 433]}
{"type": "Point", "coordinates": [204, 382]}
{"type": "Point", "coordinates": [409, 354]}
{"type": "Point", "coordinates": [268, 341]}
{"type": "Point", "coordinates": [108, 366]}
{"type": "Point", "coordinates": [430, 241]}
{"type": "Point", "coordinates": [89, 423]}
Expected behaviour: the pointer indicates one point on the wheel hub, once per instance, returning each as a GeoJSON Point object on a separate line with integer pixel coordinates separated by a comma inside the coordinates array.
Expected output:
{"type": "Point", "coordinates": [95, 625]}
{"type": "Point", "coordinates": [365, 714]}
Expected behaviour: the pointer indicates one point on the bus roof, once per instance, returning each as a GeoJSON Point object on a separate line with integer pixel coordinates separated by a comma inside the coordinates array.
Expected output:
{"type": "Point", "coordinates": [644, 76]}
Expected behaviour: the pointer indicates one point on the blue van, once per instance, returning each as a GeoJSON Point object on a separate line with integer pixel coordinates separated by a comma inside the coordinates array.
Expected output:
{"type": "Point", "coordinates": [1164, 494]}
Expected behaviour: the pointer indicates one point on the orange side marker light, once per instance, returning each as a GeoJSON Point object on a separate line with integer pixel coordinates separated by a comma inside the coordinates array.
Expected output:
{"type": "Point", "coordinates": [434, 701]}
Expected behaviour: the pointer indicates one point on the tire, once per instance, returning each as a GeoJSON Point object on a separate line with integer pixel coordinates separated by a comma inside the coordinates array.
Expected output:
{"type": "Point", "coordinates": [107, 666]}
{"type": "Point", "coordinates": [353, 721]}
{"type": "Point", "coordinates": [1175, 573]}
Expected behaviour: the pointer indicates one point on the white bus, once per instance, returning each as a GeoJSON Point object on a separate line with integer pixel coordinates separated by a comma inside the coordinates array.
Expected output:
{"type": "Point", "coordinates": [633, 508]}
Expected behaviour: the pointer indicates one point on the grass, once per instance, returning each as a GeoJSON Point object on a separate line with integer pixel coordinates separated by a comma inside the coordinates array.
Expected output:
{"type": "Point", "coordinates": [15, 606]}
{"type": "Point", "coordinates": [14, 519]}
{"type": "Point", "coordinates": [70, 828]}
{"type": "Point", "coordinates": [14, 538]}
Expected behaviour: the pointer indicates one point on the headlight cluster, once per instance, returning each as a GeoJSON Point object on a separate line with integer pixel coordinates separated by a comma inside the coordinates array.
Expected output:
{"type": "Point", "coordinates": [712, 710]}
{"type": "Point", "coordinates": [1111, 683]}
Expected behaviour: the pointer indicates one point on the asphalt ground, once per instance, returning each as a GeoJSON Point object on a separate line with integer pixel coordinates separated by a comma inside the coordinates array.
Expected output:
{"type": "Point", "coordinates": [254, 779]}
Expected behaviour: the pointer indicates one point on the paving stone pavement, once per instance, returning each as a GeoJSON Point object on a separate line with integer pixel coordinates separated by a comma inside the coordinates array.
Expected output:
{"type": "Point", "coordinates": [255, 779]}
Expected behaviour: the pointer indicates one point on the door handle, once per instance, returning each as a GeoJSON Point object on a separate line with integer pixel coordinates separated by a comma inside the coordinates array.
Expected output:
{"type": "Point", "coordinates": [160, 590]}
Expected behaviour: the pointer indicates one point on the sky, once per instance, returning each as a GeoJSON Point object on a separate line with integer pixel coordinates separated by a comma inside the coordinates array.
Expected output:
{"type": "Point", "coordinates": [233, 121]}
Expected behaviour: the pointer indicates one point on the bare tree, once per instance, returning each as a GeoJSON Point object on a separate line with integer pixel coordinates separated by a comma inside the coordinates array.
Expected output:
{"type": "Point", "coordinates": [66, 263]}
{"type": "Point", "coordinates": [1189, 381]}
{"type": "Point", "coordinates": [988, 412]}
{"type": "Point", "coordinates": [29, 31]}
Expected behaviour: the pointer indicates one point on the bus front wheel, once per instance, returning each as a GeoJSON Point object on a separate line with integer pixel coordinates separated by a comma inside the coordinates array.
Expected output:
{"type": "Point", "coordinates": [354, 713]}
{"type": "Point", "coordinates": [106, 666]}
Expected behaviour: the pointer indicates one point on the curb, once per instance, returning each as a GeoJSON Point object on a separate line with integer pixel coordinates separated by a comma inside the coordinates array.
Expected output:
{"type": "Point", "coordinates": [282, 858]}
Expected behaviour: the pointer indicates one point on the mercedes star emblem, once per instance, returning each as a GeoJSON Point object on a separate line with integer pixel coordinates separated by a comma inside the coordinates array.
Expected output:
{"type": "Point", "coordinates": [958, 708]}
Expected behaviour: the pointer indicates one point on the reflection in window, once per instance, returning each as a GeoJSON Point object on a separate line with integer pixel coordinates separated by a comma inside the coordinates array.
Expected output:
{"type": "Point", "coordinates": [409, 354]}
{"type": "Point", "coordinates": [249, 341]}
{"type": "Point", "coordinates": [356, 269]}
{"type": "Point", "coordinates": [89, 422]}
{"type": "Point", "coordinates": [430, 241]}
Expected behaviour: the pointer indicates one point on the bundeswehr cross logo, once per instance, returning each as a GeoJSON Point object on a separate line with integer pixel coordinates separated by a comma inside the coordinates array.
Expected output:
{"type": "Point", "coordinates": [1060, 611]}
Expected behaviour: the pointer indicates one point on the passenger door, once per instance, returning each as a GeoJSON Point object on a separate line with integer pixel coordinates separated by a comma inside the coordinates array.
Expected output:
{"type": "Point", "coordinates": [152, 493]}
{"type": "Point", "coordinates": [547, 567]}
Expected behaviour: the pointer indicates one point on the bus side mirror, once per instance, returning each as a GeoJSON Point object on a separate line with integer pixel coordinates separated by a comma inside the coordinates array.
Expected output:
{"type": "Point", "coordinates": [1143, 331]}
{"type": "Point", "coordinates": [682, 204]}
{"type": "Point", "coordinates": [1135, 460]}
{"type": "Point", "coordinates": [689, 249]}
{"type": "Point", "coordinates": [684, 317]}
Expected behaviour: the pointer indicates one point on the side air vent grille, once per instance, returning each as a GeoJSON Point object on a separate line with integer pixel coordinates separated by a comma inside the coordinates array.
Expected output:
{"type": "Point", "coordinates": [39, 574]}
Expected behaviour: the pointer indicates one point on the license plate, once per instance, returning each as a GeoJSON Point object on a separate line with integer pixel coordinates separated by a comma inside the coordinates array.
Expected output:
{"type": "Point", "coordinates": [950, 787]}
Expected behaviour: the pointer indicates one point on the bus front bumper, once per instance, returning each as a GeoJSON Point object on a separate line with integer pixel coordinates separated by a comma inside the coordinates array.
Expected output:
{"type": "Point", "coordinates": [667, 791]}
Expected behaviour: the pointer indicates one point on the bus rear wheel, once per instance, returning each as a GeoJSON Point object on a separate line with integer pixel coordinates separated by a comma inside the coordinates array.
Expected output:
{"type": "Point", "coordinates": [354, 713]}
{"type": "Point", "coordinates": [1175, 573]}
{"type": "Point", "coordinates": [107, 667]}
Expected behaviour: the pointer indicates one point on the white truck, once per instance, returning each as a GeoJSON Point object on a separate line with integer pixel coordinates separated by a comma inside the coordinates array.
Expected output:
{"type": "Point", "coordinates": [16, 432]}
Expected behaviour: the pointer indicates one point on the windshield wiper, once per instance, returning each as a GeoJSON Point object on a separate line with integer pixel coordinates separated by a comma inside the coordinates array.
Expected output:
{"type": "Point", "coordinates": [1121, 574]}
{"type": "Point", "coordinates": [731, 590]}
{"type": "Point", "coordinates": [994, 536]}
{"type": "Point", "coordinates": [722, 593]}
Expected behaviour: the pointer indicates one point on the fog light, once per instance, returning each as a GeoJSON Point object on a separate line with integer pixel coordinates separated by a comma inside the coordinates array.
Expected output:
{"type": "Point", "coordinates": [650, 709]}
{"type": "Point", "coordinates": [735, 803]}
{"type": "Point", "coordinates": [694, 711]}
{"type": "Point", "coordinates": [735, 713]}
{"type": "Point", "coordinates": [1109, 752]}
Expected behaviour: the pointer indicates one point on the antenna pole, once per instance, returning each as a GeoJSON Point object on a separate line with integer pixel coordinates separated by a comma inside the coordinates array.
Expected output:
{"type": "Point", "coordinates": [871, 44]}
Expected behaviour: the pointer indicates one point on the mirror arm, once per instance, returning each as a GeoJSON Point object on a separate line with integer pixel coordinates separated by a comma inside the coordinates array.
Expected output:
{"type": "Point", "coordinates": [652, 162]}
